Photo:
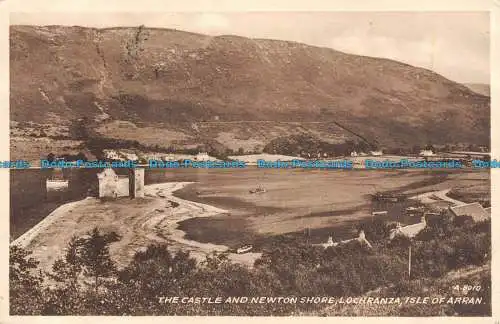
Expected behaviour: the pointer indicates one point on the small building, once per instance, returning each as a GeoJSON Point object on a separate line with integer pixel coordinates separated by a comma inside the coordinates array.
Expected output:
{"type": "Point", "coordinates": [130, 156]}
{"type": "Point", "coordinates": [426, 153]}
{"type": "Point", "coordinates": [475, 210]}
{"type": "Point", "coordinates": [120, 155]}
{"type": "Point", "coordinates": [409, 231]}
{"type": "Point", "coordinates": [153, 156]}
{"type": "Point", "coordinates": [202, 156]}
{"type": "Point", "coordinates": [376, 153]}
{"type": "Point", "coordinates": [111, 155]}
{"type": "Point", "coordinates": [361, 239]}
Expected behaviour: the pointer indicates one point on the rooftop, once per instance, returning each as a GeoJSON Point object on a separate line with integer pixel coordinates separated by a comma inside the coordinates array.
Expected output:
{"type": "Point", "coordinates": [410, 230]}
{"type": "Point", "coordinates": [475, 210]}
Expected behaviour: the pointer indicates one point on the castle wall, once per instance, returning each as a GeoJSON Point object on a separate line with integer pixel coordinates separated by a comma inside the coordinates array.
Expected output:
{"type": "Point", "coordinates": [113, 185]}
{"type": "Point", "coordinates": [122, 186]}
{"type": "Point", "coordinates": [137, 183]}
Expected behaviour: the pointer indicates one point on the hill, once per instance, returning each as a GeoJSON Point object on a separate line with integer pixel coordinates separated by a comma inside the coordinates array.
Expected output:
{"type": "Point", "coordinates": [481, 88]}
{"type": "Point", "coordinates": [168, 87]}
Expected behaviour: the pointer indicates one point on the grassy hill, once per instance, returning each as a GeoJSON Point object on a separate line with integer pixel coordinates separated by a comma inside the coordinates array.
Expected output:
{"type": "Point", "coordinates": [480, 88]}
{"type": "Point", "coordinates": [189, 88]}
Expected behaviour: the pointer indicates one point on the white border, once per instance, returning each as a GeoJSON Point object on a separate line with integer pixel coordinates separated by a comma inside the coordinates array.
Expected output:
{"type": "Point", "coordinates": [46, 6]}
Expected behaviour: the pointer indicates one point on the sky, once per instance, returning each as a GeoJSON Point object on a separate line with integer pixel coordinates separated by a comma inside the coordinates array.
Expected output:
{"type": "Point", "coordinates": [453, 44]}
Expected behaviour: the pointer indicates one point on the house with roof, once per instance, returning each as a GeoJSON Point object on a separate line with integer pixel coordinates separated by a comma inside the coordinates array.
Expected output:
{"type": "Point", "coordinates": [475, 210]}
{"type": "Point", "coordinates": [409, 231]}
{"type": "Point", "coordinates": [426, 153]}
{"type": "Point", "coordinates": [361, 239]}
{"type": "Point", "coordinates": [111, 155]}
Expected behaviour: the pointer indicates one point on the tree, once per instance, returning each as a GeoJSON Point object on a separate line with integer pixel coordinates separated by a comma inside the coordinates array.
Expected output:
{"type": "Point", "coordinates": [430, 147]}
{"type": "Point", "coordinates": [94, 255]}
{"type": "Point", "coordinates": [25, 284]}
{"type": "Point", "coordinates": [67, 269]}
{"type": "Point", "coordinates": [86, 256]}
{"type": "Point", "coordinates": [157, 271]}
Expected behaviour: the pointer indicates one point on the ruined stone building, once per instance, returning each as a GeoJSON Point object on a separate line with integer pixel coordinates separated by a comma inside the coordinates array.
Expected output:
{"type": "Point", "coordinates": [113, 185]}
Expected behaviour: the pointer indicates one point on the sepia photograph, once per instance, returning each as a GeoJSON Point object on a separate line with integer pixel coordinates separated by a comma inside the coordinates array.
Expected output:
{"type": "Point", "coordinates": [264, 163]}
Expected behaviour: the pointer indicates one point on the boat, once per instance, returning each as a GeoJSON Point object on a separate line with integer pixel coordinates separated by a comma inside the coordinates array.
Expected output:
{"type": "Point", "coordinates": [56, 184]}
{"type": "Point", "coordinates": [259, 189]}
{"type": "Point", "coordinates": [387, 197]}
{"type": "Point", "coordinates": [377, 213]}
{"type": "Point", "coordinates": [244, 249]}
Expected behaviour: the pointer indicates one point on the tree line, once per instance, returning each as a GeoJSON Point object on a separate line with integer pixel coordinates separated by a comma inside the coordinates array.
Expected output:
{"type": "Point", "coordinates": [86, 280]}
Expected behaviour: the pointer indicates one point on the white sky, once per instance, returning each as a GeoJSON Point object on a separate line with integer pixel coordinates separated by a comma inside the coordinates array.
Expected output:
{"type": "Point", "coordinates": [454, 44]}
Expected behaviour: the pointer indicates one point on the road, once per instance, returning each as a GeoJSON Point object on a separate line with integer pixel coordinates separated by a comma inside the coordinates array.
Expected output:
{"type": "Point", "coordinates": [436, 196]}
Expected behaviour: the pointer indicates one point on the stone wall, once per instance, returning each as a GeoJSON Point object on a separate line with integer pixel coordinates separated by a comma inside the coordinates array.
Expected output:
{"type": "Point", "coordinates": [113, 185]}
{"type": "Point", "coordinates": [122, 186]}
{"type": "Point", "coordinates": [137, 183]}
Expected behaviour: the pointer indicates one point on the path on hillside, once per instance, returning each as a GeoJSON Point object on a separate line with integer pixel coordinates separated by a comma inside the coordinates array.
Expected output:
{"type": "Point", "coordinates": [443, 195]}
{"type": "Point", "coordinates": [436, 196]}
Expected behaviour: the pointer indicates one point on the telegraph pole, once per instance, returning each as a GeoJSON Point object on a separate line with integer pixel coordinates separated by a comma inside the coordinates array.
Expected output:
{"type": "Point", "coordinates": [409, 262]}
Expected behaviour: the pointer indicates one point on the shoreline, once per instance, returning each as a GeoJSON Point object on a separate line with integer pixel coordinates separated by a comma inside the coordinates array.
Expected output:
{"type": "Point", "coordinates": [167, 191]}
{"type": "Point", "coordinates": [155, 219]}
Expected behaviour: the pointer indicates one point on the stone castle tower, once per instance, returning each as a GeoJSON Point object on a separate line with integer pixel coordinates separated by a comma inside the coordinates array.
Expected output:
{"type": "Point", "coordinates": [112, 185]}
{"type": "Point", "coordinates": [136, 183]}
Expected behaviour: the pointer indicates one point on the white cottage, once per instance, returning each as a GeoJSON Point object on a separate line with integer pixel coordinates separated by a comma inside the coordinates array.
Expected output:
{"type": "Point", "coordinates": [426, 153]}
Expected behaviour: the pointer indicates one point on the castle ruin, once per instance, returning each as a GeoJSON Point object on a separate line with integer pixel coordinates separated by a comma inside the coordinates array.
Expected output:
{"type": "Point", "coordinates": [112, 185]}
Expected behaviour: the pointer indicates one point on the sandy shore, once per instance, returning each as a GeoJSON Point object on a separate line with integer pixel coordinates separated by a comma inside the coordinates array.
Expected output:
{"type": "Point", "coordinates": [140, 222]}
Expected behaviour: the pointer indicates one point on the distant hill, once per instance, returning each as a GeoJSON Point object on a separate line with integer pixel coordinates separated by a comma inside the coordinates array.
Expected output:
{"type": "Point", "coordinates": [480, 88]}
{"type": "Point", "coordinates": [168, 87]}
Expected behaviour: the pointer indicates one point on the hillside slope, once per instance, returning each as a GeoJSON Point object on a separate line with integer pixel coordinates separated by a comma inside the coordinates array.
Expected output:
{"type": "Point", "coordinates": [479, 276]}
{"type": "Point", "coordinates": [234, 90]}
{"type": "Point", "coordinates": [481, 88]}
